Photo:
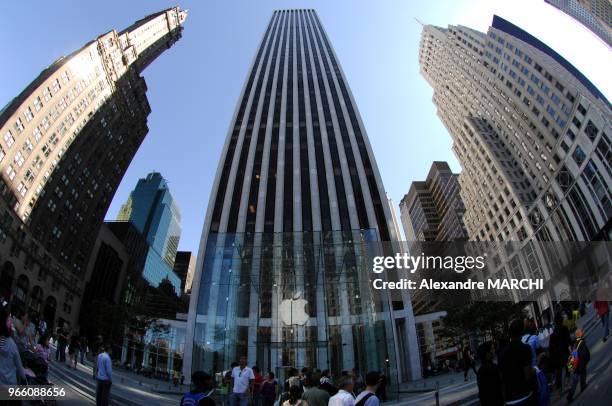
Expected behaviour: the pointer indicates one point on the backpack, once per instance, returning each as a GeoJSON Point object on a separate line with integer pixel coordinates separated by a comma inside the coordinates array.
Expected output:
{"type": "Point", "coordinates": [573, 361]}
{"type": "Point", "coordinates": [193, 399]}
{"type": "Point", "coordinates": [364, 399]}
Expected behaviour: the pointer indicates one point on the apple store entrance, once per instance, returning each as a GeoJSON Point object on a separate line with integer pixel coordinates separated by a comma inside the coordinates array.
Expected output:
{"type": "Point", "coordinates": [292, 299]}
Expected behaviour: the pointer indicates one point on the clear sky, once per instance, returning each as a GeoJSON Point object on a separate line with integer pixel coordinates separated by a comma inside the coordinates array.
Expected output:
{"type": "Point", "coordinates": [194, 86]}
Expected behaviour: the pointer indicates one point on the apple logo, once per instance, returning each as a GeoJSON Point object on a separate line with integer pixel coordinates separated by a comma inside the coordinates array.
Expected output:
{"type": "Point", "coordinates": [293, 311]}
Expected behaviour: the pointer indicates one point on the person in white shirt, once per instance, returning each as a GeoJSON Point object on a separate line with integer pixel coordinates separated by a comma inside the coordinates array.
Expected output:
{"type": "Point", "coordinates": [368, 396]}
{"type": "Point", "coordinates": [242, 381]}
{"type": "Point", "coordinates": [344, 397]}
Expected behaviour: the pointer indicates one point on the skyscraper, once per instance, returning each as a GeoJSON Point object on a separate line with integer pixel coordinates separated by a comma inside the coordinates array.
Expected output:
{"type": "Point", "coordinates": [433, 210]}
{"type": "Point", "coordinates": [154, 213]}
{"type": "Point", "coordinates": [184, 266]}
{"type": "Point", "coordinates": [68, 138]}
{"type": "Point", "coordinates": [596, 15]}
{"type": "Point", "coordinates": [531, 134]}
{"type": "Point", "coordinates": [280, 275]}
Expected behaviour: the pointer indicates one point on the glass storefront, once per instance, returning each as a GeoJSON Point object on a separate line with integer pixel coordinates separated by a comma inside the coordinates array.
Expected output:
{"type": "Point", "coordinates": [293, 299]}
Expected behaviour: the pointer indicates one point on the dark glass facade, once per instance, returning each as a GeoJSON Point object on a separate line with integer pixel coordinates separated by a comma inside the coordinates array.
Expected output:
{"type": "Point", "coordinates": [296, 196]}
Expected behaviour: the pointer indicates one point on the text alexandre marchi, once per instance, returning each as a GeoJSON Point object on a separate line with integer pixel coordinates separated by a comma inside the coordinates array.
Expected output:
{"type": "Point", "coordinates": [458, 264]}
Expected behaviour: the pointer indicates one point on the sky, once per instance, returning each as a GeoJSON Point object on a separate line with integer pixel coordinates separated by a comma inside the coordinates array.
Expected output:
{"type": "Point", "coordinates": [193, 87]}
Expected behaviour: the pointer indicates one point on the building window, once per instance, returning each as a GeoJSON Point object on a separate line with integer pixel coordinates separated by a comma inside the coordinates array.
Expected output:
{"type": "Point", "coordinates": [2, 154]}
{"type": "Point", "coordinates": [56, 86]}
{"type": "Point", "coordinates": [8, 138]}
{"type": "Point", "coordinates": [22, 189]}
{"type": "Point", "coordinates": [28, 114]}
{"type": "Point", "coordinates": [19, 159]}
{"type": "Point", "coordinates": [591, 131]}
{"type": "Point", "coordinates": [37, 103]}
{"type": "Point", "coordinates": [10, 172]}
{"type": "Point", "coordinates": [37, 134]}
{"type": "Point", "coordinates": [19, 125]}
{"type": "Point", "coordinates": [47, 94]}
{"type": "Point", "coordinates": [579, 156]}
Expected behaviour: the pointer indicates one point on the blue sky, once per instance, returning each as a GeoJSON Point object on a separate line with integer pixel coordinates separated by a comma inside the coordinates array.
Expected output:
{"type": "Point", "coordinates": [194, 87]}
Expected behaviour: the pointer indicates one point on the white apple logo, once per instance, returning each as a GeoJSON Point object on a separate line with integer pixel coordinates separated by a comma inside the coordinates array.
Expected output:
{"type": "Point", "coordinates": [293, 311]}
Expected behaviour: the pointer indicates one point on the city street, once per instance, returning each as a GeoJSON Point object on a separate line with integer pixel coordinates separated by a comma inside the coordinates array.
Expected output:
{"type": "Point", "coordinates": [80, 387]}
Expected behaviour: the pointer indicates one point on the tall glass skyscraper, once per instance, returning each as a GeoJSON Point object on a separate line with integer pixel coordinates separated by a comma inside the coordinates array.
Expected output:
{"type": "Point", "coordinates": [153, 211]}
{"type": "Point", "coordinates": [281, 274]}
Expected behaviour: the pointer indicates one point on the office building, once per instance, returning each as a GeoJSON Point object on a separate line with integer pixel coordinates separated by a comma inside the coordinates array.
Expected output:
{"type": "Point", "coordinates": [68, 138]}
{"type": "Point", "coordinates": [531, 133]}
{"type": "Point", "coordinates": [281, 275]}
{"type": "Point", "coordinates": [155, 214]}
{"type": "Point", "coordinates": [184, 266]}
{"type": "Point", "coordinates": [596, 15]}
{"type": "Point", "coordinates": [433, 210]}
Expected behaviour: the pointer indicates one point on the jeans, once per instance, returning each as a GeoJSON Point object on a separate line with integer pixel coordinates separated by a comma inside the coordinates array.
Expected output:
{"type": "Point", "coordinates": [239, 399]}
{"type": "Point", "coordinates": [578, 376]}
{"type": "Point", "coordinates": [103, 392]}
{"type": "Point", "coordinates": [605, 323]}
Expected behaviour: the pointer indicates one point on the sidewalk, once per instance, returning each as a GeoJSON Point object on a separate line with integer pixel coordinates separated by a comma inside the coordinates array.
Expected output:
{"type": "Point", "coordinates": [451, 387]}
{"type": "Point", "coordinates": [125, 391]}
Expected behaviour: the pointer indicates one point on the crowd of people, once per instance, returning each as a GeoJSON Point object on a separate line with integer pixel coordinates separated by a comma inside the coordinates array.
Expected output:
{"type": "Point", "coordinates": [242, 385]}
{"type": "Point", "coordinates": [522, 371]}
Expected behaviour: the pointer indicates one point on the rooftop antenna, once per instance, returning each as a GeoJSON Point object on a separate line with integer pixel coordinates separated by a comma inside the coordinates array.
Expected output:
{"type": "Point", "coordinates": [419, 21]}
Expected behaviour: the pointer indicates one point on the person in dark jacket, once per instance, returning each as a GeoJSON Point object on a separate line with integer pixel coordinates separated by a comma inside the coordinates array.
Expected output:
{"type": "Point", "coordinates": [488, 377]}
{"type": "Point", "coordinates": [558, 349]}
{"type": "Point", "coordinates": [580, 370]}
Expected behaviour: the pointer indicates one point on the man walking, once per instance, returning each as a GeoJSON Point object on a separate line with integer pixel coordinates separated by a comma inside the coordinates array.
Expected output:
{"type": "Point", "coordinates": [516, 369]}
{"type": "Point", "coordinates": [603, 312]}
{"type": "Point", "coordinates": [242, 380]}
{"type": "Point", "coordinates": [579, 359]}
{"type": "Point", "coordinates": [344, 397]}
{"type": "Point", "coordinates": [368, 396]}
{"type": "Point", "coordinates": [104, 376]}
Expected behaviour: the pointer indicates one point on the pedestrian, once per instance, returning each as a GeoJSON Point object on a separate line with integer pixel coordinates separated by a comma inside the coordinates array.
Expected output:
{"type": "Point", "coordinates": [531, 339]}
{"type": "Point", "coordinates": [368, 397]}
{"type": "Point", "coordinates": [516, 370]}
{"type": "Point", "coordinates": [295, 393]}
{"type": "Point", "coordinates": [577, 364]}
{"type": "Point", "coordinates": [558, 351]}
{"type": "Point", "coordinates": [314, 395]}
{"type": "Point", "coordinates": [82, 349]}
{"type": "Point", "coordinates": [603, 312]}
{"type": "Point", "coordinates": [242, 381]}
{"type": "Point", "coordinates": [21, 321]}
{"type": "Point", "coordinates": [490, 391]}
{"type": "Point", "coordinates": [326, 384]}
{"type": "Point", "coordinates": [11, 369]}
{"type": "Point", "coordinates": [73, 349]}
{"type": "Point", "coordinates": [269, 390]}
{"type": "Point", "coordinates": [257, 382]}
{"type": "Point", "coordinates": [542, 381]}
{"type": "Point", "coordinates": [42, 327]}
{"type": "Point", "coordinates": [62, 342]}
{"type": "Point", "coordinates": [104, 376]}
{"type": "Point", "coordinates": [43, 349]}
{"type": "Point", "coordinates": [200, 395]}
{"type": "Point", "coordinates": [344, 397]}
{"type": "Point", "coordinates": [468, 362]}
